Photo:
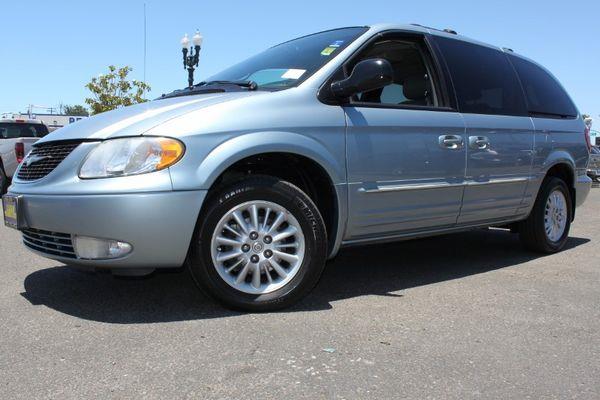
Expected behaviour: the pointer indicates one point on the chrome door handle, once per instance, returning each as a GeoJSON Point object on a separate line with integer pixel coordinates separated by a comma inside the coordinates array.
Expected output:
{"type": "Point", "coordinates": [451, 142]}
{"type": "Point", "coordinates": [479, 142]}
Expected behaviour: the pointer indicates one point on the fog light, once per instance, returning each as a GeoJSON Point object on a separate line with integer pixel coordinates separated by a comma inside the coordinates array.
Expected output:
{"type": "Point", "coordinates": [89, 248]}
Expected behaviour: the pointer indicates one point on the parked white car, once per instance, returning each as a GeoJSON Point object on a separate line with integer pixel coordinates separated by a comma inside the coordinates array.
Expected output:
{"type": "Point", "coordinates": [16, 138]}
{"type": "Point", "coordinates": [593, 170]}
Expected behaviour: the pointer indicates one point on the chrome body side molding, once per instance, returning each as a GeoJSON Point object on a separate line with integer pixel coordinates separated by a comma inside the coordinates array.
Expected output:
{"type": "Point", "coordinates": [440, 185]}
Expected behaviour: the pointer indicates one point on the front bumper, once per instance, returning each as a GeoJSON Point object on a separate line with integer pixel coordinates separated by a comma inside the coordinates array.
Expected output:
{"type": "Point", "coordinates": [158, 225]}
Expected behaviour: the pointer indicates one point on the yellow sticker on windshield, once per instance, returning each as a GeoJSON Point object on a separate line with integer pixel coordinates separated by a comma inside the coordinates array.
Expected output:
{"type": "Point", "coordinates": [328, 50]}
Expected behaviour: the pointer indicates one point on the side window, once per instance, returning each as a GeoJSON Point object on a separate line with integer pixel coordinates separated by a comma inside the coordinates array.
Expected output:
{"type": "Point", "coordinates": [39, 131]}
{"type": "Point", "coordinates": [412, 84]}
{"type": "Point", "coordinates": [27, 131]}
{"type": "Point", "coordinates": [483, 78]}
{"type": "Point", "coordinates": [544, 94]}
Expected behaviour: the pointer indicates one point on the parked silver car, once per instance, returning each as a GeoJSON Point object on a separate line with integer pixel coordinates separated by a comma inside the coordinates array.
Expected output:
{"type": "Point", "coordinates": [351, 136]}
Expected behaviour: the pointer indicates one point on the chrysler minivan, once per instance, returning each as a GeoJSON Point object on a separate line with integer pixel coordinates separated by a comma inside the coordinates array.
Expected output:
{"type": "Point", "coordinates": [256, 176]}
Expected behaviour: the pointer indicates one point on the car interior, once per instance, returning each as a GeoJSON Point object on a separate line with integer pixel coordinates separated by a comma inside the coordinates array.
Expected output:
{"type": "Point", "coordinates": [412, 84]}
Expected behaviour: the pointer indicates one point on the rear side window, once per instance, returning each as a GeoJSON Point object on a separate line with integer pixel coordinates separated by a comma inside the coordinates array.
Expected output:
{"type": "Point", "coordinates": [14, 130]}
{"type": "Point", "coordinates": [545, 96]}
{"type": "Point", "coordinates": [484, 80]}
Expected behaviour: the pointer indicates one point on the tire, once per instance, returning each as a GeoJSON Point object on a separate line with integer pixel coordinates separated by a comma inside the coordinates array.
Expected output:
{"type": "Point", "coordinates": [302, 264]}
{"type": "Point", "coordinates": [533, 232]}
{"type": "Point", "coordinates": [4, 182]}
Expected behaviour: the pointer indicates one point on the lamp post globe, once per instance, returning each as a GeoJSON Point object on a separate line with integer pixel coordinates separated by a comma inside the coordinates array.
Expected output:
{"type": "Point", "coordinates": [185, 41]}
{"type": "Point", "coordinates": [191, 55]}
{"type": "Point", "coordinates": [197, 39]}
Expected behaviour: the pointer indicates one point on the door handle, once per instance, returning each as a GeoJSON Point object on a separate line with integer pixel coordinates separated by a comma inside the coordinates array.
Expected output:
{"type": "Point", "coordinates": [451, 142]}
{"type": "Point", "coordinates": [479, 142]}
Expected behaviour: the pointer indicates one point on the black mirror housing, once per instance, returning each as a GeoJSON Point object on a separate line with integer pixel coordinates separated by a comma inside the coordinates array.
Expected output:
{"type": "Point", "coordinates": [370, 74]}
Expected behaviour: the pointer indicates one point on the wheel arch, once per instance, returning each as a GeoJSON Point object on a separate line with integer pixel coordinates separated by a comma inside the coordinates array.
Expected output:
{"type": "Point", "coordinates": [561, 165]}
{"type": "Point", "coordinates": [306, 160]}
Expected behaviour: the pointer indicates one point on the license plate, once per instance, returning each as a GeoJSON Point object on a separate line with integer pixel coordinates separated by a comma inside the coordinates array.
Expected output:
{"type": "Point", "coordinates": [10, 205]}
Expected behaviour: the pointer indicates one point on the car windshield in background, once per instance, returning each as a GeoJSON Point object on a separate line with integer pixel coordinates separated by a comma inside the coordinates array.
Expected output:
{"type": "Point", "coordinates": [288, 64]}
{"type": "Point", "coordinates": [14, 130]}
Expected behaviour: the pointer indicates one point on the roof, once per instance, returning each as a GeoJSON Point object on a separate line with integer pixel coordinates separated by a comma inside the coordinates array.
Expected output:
{"type": "Point", "coordinates": [448, 33]}
{"type": "Point", "coordinates": [21, 120]}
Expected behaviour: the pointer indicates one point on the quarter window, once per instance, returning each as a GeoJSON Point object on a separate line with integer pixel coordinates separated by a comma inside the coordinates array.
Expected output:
{"type": "Point", "coordinates": [545, 96]}
{"type": "Point", "coordinates": [484, 80]}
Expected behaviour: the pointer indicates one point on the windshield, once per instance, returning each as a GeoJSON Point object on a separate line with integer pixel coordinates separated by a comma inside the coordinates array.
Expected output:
{"type": "Point", "coordinates": [288, 64]}
{"type": "Point", "coordinates": [14, 130]}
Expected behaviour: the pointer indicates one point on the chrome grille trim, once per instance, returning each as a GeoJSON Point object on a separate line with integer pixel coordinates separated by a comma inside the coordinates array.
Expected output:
{"type": "Point", "coordinates": [50, 155]}
{"type": "Point", "coordinates": [51, 243]}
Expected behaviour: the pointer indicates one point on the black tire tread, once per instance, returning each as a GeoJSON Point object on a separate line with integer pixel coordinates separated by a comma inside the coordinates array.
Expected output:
{"type": "Point", "coordinates": [214, 200]}
{"type": "Point", "coordinates": [531, 230]}
{"type": "Point", "coordinates": [4, 181]}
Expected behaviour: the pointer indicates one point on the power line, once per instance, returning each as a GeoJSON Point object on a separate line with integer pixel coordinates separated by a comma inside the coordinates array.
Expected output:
{"type": "Point", "coordinates": [145, 43]}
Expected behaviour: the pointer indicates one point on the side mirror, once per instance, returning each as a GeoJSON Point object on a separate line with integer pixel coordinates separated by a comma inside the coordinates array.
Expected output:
{"type": "Point", "coordinates": [370, 74]}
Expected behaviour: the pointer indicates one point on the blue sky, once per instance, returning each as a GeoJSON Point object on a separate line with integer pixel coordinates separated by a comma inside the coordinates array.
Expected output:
{"type": "Point", "coordinates": [51, 49]}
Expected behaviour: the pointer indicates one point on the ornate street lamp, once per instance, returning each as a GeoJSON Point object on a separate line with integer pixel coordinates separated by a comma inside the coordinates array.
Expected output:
{"type": "Point", "coordinates": [190, 61]}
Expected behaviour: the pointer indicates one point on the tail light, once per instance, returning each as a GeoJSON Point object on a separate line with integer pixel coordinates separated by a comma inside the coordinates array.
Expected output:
{"type": "Point", "coordinates": [19, 152]}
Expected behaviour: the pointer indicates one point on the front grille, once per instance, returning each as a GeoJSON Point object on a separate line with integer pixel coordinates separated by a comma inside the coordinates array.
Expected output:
{"type": "Point", "coordinates": [43, 159]}
{"type": "Point", "coordinates": [51, 243]}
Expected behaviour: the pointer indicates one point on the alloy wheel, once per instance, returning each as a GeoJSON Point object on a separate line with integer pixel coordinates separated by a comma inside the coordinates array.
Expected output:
{"type": "Point", "coordinates": [258, 247]}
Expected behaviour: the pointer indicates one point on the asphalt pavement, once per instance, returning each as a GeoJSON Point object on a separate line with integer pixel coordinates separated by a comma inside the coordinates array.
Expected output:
{"type": "Point", "coordinates": [470, 315]}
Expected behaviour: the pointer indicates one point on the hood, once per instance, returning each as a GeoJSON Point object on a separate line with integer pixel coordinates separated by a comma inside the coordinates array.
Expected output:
{"type": "Point", "coordinates": [137, 119]}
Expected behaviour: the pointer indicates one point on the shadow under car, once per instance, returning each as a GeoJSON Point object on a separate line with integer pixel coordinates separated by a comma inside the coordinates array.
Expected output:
{"type": "Point", "coordinates": [383, 269]}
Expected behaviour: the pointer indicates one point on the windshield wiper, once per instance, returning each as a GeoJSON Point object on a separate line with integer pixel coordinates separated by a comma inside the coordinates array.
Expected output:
{"type": "Point", "coordinates": [250, 85]}
{"type": "Point", "coordinates": [210, 87]}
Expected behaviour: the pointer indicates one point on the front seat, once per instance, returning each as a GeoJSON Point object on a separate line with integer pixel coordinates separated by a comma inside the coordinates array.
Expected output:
{"type": "Point", "coordinates": [415, 89]}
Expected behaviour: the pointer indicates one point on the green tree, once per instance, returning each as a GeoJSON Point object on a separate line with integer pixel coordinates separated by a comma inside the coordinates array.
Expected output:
{"type": "Point", "coordinates": [77, 110]}
{"type": "Point", "coordinates": [114, 90]}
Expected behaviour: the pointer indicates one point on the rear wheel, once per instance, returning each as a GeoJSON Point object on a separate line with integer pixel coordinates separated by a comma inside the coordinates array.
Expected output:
{"type": "Point", "coordinates": [260, 245]}
{"type": "Point", "coordinates": [547, 228]}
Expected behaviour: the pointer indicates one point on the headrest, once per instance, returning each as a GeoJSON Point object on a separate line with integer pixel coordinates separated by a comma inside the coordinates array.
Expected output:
{"type": "Point", "coordinates": [415, 87]}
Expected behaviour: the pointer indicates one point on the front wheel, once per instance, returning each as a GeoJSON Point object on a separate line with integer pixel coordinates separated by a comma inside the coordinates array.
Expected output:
{"type": "Point", "coordinates": [546, 230]}
{"type": "Point", "coordinates": [260, 245]}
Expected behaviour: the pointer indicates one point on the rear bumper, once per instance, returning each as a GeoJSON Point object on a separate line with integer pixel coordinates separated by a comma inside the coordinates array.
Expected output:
{"type": "Point", "coordinates": [158, 225]}
{"type": "Point", "coordinates": [583, 185]}
{"type": "Point", "coordinates": [593, 173]}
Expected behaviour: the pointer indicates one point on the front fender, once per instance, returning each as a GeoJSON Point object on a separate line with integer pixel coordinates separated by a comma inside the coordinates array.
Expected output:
{"type": "Point", "coordinates": [240, 147]}
{"type": "Point", "coordinates": [223, 152]}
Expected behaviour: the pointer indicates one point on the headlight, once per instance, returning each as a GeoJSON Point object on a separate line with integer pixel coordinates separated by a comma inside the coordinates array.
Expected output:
{"type": "Point", "coordinates": [131, 156]}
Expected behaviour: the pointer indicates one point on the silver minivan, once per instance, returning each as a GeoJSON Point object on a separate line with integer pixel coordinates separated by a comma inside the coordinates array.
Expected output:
{"type": "Point", "coordinates": [255, 177]}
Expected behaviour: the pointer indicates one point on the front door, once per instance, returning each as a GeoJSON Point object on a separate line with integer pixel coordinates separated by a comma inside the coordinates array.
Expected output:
{"type": "Point", "coordinates": [401, 178]}
{"type": "Point", "coordinates": [406, 154]}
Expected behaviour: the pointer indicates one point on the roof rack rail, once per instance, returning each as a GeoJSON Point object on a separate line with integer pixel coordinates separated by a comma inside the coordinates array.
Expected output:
{"type": "Point", "coordinates": [450, 31]}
